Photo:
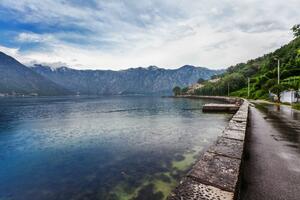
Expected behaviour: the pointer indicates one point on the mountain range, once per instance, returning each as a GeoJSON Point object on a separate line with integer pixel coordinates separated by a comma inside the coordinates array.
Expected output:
{"type": "Point", "coordinates": [45, 80]}
{"type": "Point", "coordinates": [17, 79]}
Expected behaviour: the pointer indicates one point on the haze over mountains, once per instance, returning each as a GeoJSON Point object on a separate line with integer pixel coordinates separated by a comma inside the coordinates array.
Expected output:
{"type": "Point", "coordinates": [16, 78]}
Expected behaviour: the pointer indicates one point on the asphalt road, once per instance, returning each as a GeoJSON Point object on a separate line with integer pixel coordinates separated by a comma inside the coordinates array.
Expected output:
{"type": "Point", "coordinates": [272, 154]}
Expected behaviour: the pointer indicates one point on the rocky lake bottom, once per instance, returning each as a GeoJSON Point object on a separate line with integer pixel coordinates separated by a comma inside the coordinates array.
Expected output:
{"type": "Point", "coordinates": [115, 148]}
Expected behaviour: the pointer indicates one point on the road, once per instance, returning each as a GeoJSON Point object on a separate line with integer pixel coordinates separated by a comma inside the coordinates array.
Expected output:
{"type": "Point", "coordinates": [272, 154]}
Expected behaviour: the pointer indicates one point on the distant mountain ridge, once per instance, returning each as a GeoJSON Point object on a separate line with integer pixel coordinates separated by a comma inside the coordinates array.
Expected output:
{"type": "Point", "coordinates": [17, 79]}
{"type": "Point", "coordinates": [150, 80]}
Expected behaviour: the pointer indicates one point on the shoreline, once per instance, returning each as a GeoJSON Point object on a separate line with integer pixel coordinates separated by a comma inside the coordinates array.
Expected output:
{"type": "Point", "coordinates": [217, 173]}
{"type": "Point", "coordinates": [222, 98]}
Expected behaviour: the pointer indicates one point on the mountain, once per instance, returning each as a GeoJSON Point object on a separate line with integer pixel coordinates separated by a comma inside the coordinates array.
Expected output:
{"type": "Point", "coordinates": [17, 79]}
{"type": "Point", "coordinates": [151, 80]}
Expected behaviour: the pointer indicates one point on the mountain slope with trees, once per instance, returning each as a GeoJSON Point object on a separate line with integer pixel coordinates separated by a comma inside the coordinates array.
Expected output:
{"type": "Point", "coordinates": [262, 74]}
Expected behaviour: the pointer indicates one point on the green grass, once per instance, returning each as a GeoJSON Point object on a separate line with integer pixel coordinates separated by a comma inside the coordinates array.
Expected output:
{"type": "Point", "coordinates": [296, 106]}
{"type": "Point", "coordinates": [240, 93]}
{"type": "Point", "coordinates": [254, 94]}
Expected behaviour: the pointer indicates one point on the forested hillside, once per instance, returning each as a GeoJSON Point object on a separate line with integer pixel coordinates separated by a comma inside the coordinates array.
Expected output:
{"type": "Point", "coordinates": [262, 73]}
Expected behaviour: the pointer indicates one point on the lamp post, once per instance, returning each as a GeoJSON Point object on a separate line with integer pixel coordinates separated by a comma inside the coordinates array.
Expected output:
{"type": "Point", "coordinates": [278, 70]}
{"type": "Point", "coordinates": [228, 89]}
{"type": "Point", "coordinates": [248, 87]}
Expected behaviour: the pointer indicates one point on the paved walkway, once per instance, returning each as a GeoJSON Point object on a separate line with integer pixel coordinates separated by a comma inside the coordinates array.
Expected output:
{"type": "Point", "coordinates": [272, 165]}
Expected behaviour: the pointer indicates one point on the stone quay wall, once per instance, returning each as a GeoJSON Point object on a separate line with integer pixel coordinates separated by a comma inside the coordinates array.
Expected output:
{"type": "Point", "coordinates": [216, 175]}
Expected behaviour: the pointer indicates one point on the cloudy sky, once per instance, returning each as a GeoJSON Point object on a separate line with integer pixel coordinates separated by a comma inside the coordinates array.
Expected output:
{"type": "Point", "coordinates": [115, 34]}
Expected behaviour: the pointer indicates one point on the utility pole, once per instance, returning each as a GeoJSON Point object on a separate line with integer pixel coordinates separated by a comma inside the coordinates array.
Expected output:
{"type": "Point", "coordinates": [248, 87]}
{"type": "Point", "coordinates": [278, 70]}
{"type": "Point", "coordinates": [228, 89]}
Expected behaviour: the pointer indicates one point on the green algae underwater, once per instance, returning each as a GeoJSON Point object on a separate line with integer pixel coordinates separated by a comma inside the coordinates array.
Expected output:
{"type": "Point", "coordinates": [114, 148]}
{"type": "Point", "coordinates": [159, 185]}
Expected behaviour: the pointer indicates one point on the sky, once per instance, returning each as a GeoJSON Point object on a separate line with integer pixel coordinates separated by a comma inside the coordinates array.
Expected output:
{"type": "Point", "coordinates": [115, 34]}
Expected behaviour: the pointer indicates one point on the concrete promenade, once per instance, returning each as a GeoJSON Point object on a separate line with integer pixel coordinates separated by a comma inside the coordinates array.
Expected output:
{"type": "Point", "coordinates": [272, 154]}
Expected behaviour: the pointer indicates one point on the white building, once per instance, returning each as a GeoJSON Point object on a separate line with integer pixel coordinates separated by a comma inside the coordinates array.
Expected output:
{"type": "Point", "coordinates": [290, 96]}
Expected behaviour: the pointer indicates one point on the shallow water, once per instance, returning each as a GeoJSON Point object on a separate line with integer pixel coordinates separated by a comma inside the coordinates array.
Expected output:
{"type": "Point", "coordinates": [100, 147]}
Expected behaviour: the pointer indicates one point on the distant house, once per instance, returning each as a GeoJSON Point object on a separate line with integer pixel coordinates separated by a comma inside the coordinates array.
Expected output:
{"type": "Point", "coordinates": [192, 88]}
{"type": "Point", "coordinates": [214, 80]}
{"type": "Point", "coordinates": [290, 96]}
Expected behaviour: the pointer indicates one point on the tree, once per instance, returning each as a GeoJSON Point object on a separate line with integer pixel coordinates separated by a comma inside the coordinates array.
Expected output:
{"type": "Point", "coordinates": [269, 84]}
{"type": "Point", "coordinates": [296, 30]}
{"type": "Point", "coordinates": [177, 91]}
{"type": "Point", "coordinates": [278, 89]}
{"type": "Point", "coordinates": [297, 62]}
{"type": "Point", "coordinates": [215, 76]}
{"type": "Point", "coordinates": [200, 80]}
{"type": "Point", "coordinates": [184, 90]}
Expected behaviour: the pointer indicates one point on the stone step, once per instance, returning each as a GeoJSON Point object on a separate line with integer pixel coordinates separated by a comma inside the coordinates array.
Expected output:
{"type": "Point", "coordinates": [189, 189]}
{"type": "Point", "coordinates": [212, 107]}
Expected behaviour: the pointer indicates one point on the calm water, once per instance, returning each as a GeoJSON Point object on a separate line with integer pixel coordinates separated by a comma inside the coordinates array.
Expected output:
{"type": "Point", "coordinates": [100, 147]}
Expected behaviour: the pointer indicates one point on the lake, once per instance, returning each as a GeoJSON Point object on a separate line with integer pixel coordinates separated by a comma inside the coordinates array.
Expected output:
{"type": "Point", "coordinates": [118, 147]}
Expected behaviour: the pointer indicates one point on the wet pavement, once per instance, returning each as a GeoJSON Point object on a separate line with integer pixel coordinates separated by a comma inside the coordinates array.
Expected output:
{"type": "Point", "coordinates": [272, 155]}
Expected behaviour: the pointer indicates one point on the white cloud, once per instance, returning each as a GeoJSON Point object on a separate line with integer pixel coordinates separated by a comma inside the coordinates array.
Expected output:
{"type": "Point", "coordinates": [11, 51]}
{"type": "Point", "coordinates": [171, 33]}
{"type": "Point", "coordinates": [32, 37]}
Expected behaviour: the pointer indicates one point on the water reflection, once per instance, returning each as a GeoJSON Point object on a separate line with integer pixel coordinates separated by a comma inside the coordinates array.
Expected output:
{"type": "Point", "coordinates": [286, 121]}
{"type": "Point", "coordinates": [100, 148]}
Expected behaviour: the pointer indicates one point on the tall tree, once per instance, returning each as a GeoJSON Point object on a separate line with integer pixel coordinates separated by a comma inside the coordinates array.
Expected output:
{"type": "Point", "coordinates": [278, 89]}
{"type": "Point", "coordinates": [296, 30]}
{"type": "Point", "coordinates": [177, 91]}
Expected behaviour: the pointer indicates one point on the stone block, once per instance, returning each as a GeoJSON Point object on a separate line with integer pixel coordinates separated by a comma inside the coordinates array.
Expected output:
{"type": "Point", "coordinates": [239, 119]}
{"type": "Point", "coordinates": [241, 126]}
{"type": "Point", "coordinates": [193, 190]}
{"type": "Point", "coordinates": [234, 134]}
{"type": "Point", "coordinates": [216, 170]}
{"type": "Point", "coordinates": [228, 147]}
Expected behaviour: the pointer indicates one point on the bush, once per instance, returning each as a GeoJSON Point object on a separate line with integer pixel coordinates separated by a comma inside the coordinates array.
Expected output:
{"type": "Point", "coordinates": [260, 94]}
{"type": "Point", "coordinates": [240, 93]}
